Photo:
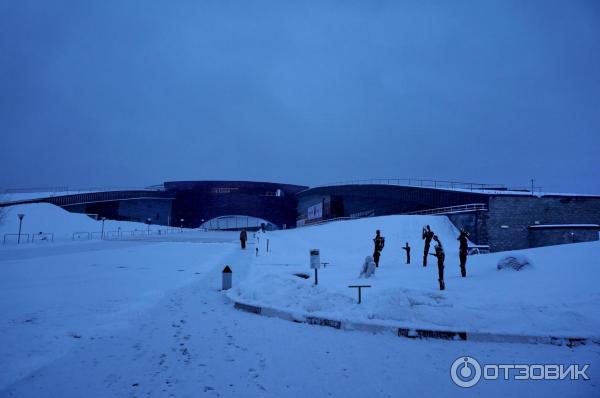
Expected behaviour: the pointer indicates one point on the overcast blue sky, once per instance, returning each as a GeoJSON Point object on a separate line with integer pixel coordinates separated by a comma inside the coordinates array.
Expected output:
{"type": "Point", "coordinates": [133, 93]}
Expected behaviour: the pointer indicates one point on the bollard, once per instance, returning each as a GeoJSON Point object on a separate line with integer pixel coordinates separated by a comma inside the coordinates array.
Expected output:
{"type": "Point", "coordinates": [257, 252]}
{"type": "Point", "coordinates": [227, 277]}
{"type": "Point", "coordinates": [267, 245]}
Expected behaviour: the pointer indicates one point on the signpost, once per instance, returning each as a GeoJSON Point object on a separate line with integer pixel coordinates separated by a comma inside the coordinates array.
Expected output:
{"type": "Point", "coordinates": [103, 219]}
{"type": "Point", "coordinates": [315, 263]}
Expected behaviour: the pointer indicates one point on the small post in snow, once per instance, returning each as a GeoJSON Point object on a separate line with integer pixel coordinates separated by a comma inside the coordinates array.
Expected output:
{"type": "Point", "coordinates": [267, 245]}
{"type": "Point", "coordinates": [315, 263]}
{"type": "Point", "coordinates": [359, 291]}
{"type": "Point", "coordinates": [227, 277]}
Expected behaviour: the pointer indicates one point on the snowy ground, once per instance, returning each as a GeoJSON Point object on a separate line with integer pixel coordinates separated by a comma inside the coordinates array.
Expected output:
{"type": "Point", "coordinates": [558, 296]}
{"type": "Point", "coordinates": [146, 318]}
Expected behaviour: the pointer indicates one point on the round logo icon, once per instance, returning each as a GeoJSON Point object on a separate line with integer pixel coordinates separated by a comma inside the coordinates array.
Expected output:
{"type": "Point", "coordinates": [465, 372]}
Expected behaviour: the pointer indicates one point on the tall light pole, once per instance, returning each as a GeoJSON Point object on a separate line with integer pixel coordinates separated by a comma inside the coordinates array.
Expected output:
{"type": "Point", "coordinates": [181, 225]}
{"type": "Point", "coordinates": [532, 180]}
{"type": "Point", "coordinates": [20, 215]}
{"type": "Point", "coordinates": [103, 219]}
{"type": "Point", "coordinates": [149, 222]}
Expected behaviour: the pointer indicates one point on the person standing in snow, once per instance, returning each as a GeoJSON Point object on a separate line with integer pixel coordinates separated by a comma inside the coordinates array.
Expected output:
{"type": "Point", "coordinates": [439, 253]}
{"type": "Point", "coordinates": [243, 238]}
{"type": "Point", "coordinates": [379, 242]}
{"type": "Point", "coordinates": [407, 249]}
{"type": "Point", "coordinates": [462, 251]}
{"type": "Point", "coordinates": [368, 268]}
{"type": "Point", "coordinates": [427, 235]}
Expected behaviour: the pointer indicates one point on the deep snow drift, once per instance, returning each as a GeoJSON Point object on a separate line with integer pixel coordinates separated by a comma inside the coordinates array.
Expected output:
{"type": "Point", "coordinates": [558, 296]}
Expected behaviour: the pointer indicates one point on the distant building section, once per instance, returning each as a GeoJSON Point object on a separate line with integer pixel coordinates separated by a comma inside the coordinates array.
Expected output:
{"type": "Point", "coordinates": [197, 202]}
{"type": "Point", "coordinates": [496, 217]}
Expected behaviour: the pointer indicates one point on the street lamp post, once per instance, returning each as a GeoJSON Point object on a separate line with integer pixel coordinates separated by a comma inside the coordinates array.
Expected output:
{"type": "Point", "coordinates": [20, 215]}
{"type": "Point", "coordinates": [181, 225]}
{"type": "Point", "coordinates": [149, 222]}
{"type": "Point", "coordinates": [103, 219]}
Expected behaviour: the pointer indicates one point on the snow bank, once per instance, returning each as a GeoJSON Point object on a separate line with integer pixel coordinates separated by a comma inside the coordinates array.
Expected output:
{"type": "Point", "coordinates": [48, 218]}
{"type": "Point", "coordinates": [559, 296]}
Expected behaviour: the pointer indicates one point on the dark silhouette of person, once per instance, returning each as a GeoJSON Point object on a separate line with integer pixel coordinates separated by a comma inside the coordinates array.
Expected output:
{"type": "Point", "coordinates": [439, 253]}
{"type": "Point", "coordinates": [463, 251]}
{"type": "Point", "coordinates": [407, 249]}
{"type": "Point", "coordinates": [426, 236]}
{"type": "Point", "coordinates": [243, 238]}
{"type": "Point", "coordinates": [379, 242]}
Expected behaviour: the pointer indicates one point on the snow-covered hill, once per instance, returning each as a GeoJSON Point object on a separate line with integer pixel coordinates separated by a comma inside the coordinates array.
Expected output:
{"type": "Point", "coordinates": [48, 218]}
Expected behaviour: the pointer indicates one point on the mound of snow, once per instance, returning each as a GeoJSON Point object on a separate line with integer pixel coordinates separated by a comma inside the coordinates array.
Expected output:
{"type": "Point", "coordinates": [47, 218]}
{"type": "Point", "coordinates": [560, 296]}
{"type": "Point", "coordinates": [514, 262]}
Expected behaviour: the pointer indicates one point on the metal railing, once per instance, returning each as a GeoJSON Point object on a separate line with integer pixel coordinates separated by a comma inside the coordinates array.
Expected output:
{"type": "Point", "coordinates": [451, 209]}
{"type": "Point", "coordinates": [90, 235]}
{"type": "Point", "coordinates": [18, 238]}
{"type": "Point", "coordinates": [81, 235]}
{"type": "Point", "coordinates": [42, 237]}
{"type": "Point", "coordinates": [299, 223]}
{"type": "Point", "coordinates": [423, 183]}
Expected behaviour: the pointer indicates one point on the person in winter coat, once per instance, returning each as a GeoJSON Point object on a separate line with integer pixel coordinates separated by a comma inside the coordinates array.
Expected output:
{"type": "Point", "coordinates": [379, 242]}
{"type": "Point", "coordinates": [407, 249]}
{"type": "Point", "coordinates": [427, 235]}
{"type": "Point", "coordinates": [243, 238]}
{"type": "Point", "coordinates": [439, 253]}
{"type": "Point", "coordinates": [368, 268]}
{"type": "Point", "coordinates": [462, 251]}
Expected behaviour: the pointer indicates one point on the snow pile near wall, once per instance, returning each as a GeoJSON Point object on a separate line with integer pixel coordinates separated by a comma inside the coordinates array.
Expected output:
{"type": "Point", "coordinates": [560, 296]}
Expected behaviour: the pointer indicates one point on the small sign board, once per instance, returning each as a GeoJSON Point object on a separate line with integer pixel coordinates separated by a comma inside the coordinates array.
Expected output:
{"type": "Point", "coordinates": [315, 259]}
